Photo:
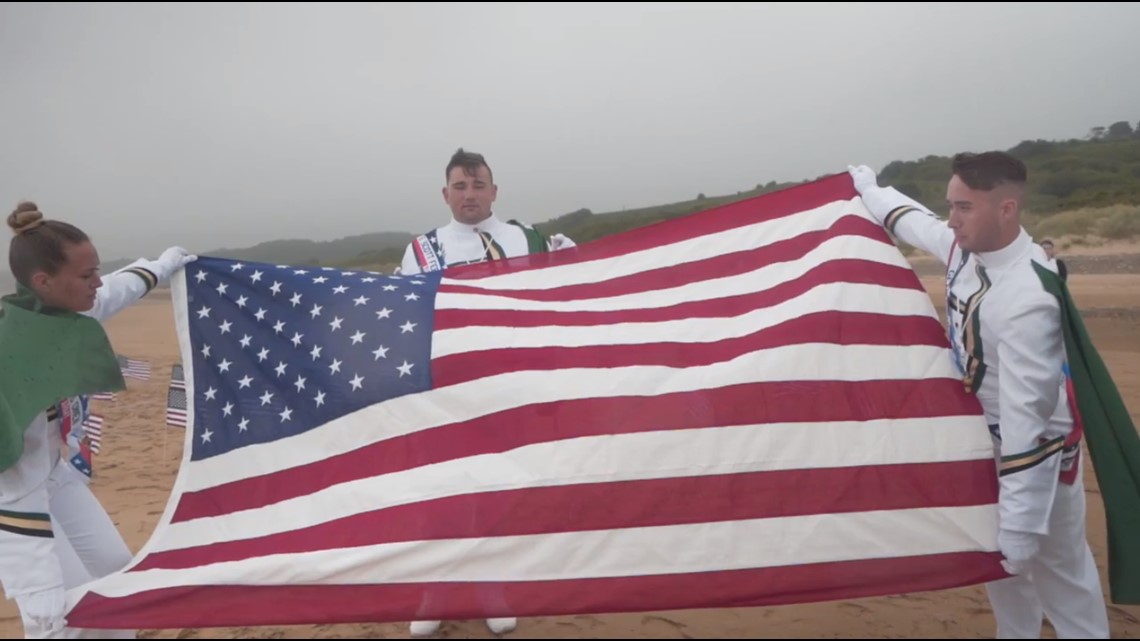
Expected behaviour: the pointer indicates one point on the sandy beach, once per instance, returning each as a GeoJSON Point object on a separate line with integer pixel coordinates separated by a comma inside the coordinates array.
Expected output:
{"type": "Point", "coordinates": [138, 464]}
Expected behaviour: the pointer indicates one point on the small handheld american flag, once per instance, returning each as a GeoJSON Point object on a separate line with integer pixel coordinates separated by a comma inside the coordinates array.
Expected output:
{"type": "Point", "coordinates": [134, 368]}
{"type": "Point", "coordinates": [176, 398]}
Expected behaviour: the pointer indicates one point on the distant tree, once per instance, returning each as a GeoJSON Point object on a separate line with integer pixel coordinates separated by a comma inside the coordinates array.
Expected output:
{"type": "Point", "coordinates": [910, 189]}
{"type": "Point", "coordinates": [1120, 130]}
{"type": "Point", "coordinates": [1096, 133]}
{"type": "Point", "coordinates": [701, 196]}
{"type": "Point", "coordinates": [1027, 148]}
{"type": "Point", "coordinates": [893, 169]}
{"type": "Point", "coordinates": [1062, 185]}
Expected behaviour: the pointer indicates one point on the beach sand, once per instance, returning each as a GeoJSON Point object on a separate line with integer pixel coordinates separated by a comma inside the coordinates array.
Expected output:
{"type": "Point", "coordinates": [138, 464]}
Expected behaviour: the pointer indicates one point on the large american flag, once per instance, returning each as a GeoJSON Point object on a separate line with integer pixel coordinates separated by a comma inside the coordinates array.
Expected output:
{"type": "Point", "coordinates": [751, 405]}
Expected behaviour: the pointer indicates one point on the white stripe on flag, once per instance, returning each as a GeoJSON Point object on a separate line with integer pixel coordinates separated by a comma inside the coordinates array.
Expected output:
{"type": "Point", "coordinates": [648, 455]}
{"type": "Point", "coordinates": [789, 541]}
{"type": "Point", "coordinates": [839, 297]}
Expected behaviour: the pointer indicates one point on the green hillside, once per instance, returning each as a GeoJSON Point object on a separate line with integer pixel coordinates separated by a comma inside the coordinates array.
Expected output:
{"type": "Point", "coordinates": [361, 249]}
{"type": "Point", "coordinates": [1095, 181]}
{"type": "Point", "coordinates": [584, 226]}
{"type": "Point", "coordinates": [1064, 176]}
{"type": "Point", "coordinates": [1098, 172]}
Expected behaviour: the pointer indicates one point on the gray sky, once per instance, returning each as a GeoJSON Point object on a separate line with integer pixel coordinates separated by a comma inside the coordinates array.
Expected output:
{"type": "Point", "coordinates": [212, 126]}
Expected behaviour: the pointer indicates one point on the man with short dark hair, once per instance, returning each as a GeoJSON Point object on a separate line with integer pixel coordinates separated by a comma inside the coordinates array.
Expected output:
{"type": "Point", "coordinates": [474, 234]}
{"type": "Point", "coordinates": [1008, 344]}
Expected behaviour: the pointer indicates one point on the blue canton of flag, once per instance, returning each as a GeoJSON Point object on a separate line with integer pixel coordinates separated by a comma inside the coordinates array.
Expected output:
{"type": "Point", "coordinates": [280, 350]}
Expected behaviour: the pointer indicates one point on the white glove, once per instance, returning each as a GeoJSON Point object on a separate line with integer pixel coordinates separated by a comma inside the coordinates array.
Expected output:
{"type": "Point", "coordinates": [1018, 548]}
{"type": "Point", "coordinates": [863, 177]}
{"type": "Point", "coordinates": [45, 609]}
{"type": "Point", "coordinates": [172, 260]}
{"type": "Point", "coordinates": [558, 241]}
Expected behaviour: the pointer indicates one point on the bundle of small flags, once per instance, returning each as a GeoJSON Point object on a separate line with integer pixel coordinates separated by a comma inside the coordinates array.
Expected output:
{"type": "Point", "coordinates": [92, 424]}
{"type": "Point", "coordinates": [176, 398]}
{"type": "Point", "coordinates": [133, 368]}
{"type": "Point", "coordinates": [87, 435]}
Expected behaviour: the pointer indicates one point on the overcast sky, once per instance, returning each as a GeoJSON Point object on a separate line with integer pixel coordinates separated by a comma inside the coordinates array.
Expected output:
{"type": "Point", "coordinates": [211, 126]}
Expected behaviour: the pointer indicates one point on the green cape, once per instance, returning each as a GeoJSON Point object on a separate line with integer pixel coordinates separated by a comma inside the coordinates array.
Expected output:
{"type": "Point", "coordinates": [1113, 443]}
{"type": "Point", "coordinates": [46, 355]}
{"type": "Point", "coordinates": [535, 240]}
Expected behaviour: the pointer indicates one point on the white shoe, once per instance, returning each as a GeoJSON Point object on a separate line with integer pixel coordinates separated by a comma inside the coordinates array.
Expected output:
{"type": "Point", "coordinates": [424, 628]}
{"type": "Point", "coordinates": [502, 626]}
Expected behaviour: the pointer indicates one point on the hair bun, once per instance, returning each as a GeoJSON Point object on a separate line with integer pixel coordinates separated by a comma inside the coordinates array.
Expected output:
{"type": "Point", "coordinates": [25, 218]}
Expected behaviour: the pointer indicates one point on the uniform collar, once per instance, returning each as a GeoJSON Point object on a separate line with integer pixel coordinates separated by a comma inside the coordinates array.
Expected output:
{"type": "Point", "coordinates": [487, 224]}
{"type": "Point", "coordinates": [1009, 254]}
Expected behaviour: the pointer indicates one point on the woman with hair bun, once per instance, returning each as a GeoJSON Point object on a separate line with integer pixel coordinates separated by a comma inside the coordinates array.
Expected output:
{"type": "Point", "coordinates": [53, 350]}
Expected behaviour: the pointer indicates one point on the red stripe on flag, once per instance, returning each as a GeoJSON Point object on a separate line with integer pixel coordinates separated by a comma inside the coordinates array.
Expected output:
{"type": "Point", "coordinates": [748, 404]}
{"type": "Point", "coordinates": [788, 202]}
{"type": "Point", "coordinates": [573, 508]}
{"type": "Point", "coordinates": [838, 271]}
{"type": "Point", "coordinates": [246, 605]}
{"type": "Point", "coordinates": [839, 328]}
{"type": "Point", "coordinates": [723, 266]}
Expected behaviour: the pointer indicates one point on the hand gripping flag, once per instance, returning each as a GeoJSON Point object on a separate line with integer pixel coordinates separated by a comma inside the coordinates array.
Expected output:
{"type": "Point", "coordinates": [752, 405]}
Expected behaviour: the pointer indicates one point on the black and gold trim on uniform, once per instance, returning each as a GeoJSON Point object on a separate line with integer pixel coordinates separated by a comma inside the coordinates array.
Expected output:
{"type": "Point", "coordinates": [1020, 462]}
{"type": "Point", "coordinates": [895, 214]}
{"type": "Point", "coordinates": [148, 276]}
{"type": "Point", "coordinates": [26, 523]}
{"type": "Point", "coordinates": [971, 336]}
{"type": "Point", "coordinates": [492, 249]}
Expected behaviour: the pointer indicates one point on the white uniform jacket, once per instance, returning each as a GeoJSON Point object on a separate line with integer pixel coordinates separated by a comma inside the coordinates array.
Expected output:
{"type": "Point", "coordinates": [27, 561]}
{"type": "Point", "coordinates": [1005, 331]}
{"type": "Point", "coordinates": [458, 243]}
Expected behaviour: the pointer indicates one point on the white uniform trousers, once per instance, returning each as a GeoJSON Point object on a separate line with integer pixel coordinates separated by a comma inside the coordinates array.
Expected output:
{"type": "Point", "coordinates": [1061, 583]}
{"type": "Point", "coordinates": [87, 544]}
